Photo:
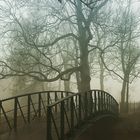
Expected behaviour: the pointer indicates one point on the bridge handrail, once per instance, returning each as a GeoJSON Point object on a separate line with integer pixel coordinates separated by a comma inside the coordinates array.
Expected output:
{"type": "Point", "coordinates": [34, 104]}
{"type": "Point", "coordinates": [63, 99]}
{"type": "Point", "coordinates": [104, 92]}
{"type": "Point", "coordinates": [33, 93]}
{"type": "Point", "coordinates": [71, 107]}
{"type": "Point", "coordinates": [80, 110]}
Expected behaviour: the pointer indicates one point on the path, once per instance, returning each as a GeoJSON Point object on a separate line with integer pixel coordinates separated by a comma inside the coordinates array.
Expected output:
{"type": "Point", "coordinates": [126, 128]}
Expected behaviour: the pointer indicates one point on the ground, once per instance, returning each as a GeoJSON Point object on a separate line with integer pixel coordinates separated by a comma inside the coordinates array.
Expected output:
{"type": "Point", "coordinates": [127, 127]}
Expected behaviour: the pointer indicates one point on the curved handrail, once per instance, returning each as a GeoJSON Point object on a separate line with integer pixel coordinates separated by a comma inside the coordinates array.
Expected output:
{"type": "Point", "coordinates": [33, 93]}
{"type": "Point", "coordinates": [27, 107]}
{"type": "Point", "coordinates": [104, 92]}
{"type": "Point", "coordinates": [77, 108]}
{"type": "Point", "coordinates": [71, 107]}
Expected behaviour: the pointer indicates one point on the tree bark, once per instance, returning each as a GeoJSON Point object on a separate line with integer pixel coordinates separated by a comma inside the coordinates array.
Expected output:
{"type": "Point", "coordinates": [101, 75]}
{"type": "Point", "coordinates": [123, 91]}
{"type": "Point", "coordinates": [127, 96]}
{"type": "Point", "coordinates": [83, 44]}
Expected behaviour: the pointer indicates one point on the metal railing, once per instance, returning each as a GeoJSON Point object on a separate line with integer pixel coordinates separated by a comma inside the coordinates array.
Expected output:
{"type": "Point", "coordinates": [75, 109]}
{"type": "Point", "coordinates": [62, 111]}
{"type": "Point", "coordinates": [19, 110]}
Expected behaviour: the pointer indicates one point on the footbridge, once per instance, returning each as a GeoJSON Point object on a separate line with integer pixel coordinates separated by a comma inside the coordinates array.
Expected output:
{"type": "Point", "coordinates": [52, 115]}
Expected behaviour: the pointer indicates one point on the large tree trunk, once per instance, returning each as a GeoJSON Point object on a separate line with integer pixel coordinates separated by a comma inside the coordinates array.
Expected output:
{"type": "Point", "coordinates": [83, 45]}
{"type": "Point", "coordinates": [67, 85]}
{"type": "Point", "coordinates": [85, 72]}
{"type": "Point", "coordinates": [127, 96]}
{"type": "Point", "coordinates": [78, 79]}
{"type": "Point", "coordinates": [123, 91]}
{"type": "Point", "coordinates": [101, 75]}
{"type": "Point", "coordinates": [66, 66]}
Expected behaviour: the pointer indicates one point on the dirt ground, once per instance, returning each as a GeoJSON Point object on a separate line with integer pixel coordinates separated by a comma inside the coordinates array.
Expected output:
{"type": "Point", "coordinates": [127, 127]}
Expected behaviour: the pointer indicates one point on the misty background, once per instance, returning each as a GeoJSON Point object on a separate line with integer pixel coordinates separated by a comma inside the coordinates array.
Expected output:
{"type": "Point", "coordinates": [72, 45]}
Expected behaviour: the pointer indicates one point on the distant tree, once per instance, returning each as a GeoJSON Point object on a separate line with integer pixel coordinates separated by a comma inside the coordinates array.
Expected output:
{"type": "Point", "coordinates": [126, 53]}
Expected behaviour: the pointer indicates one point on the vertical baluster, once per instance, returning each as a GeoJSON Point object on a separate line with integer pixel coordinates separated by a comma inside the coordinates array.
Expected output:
{"type": "Point", "coordinates": [101, 96]}
{"type": "Point", "coordinates": [48, 98]}
{"type": "Point", "coordinates": [112, 109]}
{"type": "Point", "coordinates": [62, 121]}
{"type": "Point", "coordinates": [86, 105]}
{"type": "Point", "coordinates": [55, 101]}
{"type": "Point", "coordinates": [62, 96]}
{"type": "Point", "coordinates": [95, 102]}
{"type": "Point", "coordinates": [91, 103]}
{"type": "Point", "coordinates": [72, 113]}
{"type": "Point", "coordinates": [99, 102]}
{"type": "Point", "coordinates": [39, 105]}
{"type": "Point", "coordinates": [29, 108]}
{"type": "Point", "coordinates": [15, 113]}
{"type": "Point", "coordinates": [103, 101]}
{"type": "Point", "coordinates": [79, 108]}
{"type": "Point", "coordinates": [76, 101]}
{"type": "Point", "coordinates": [5, 116]}
{"type": "Point", "coordinates": [49, 124]}
{"type": "Point", "coordinates": [107, 102]}
{"type": "Point", "coordinates": [0, 112]}
{"type": "Point", "coordinates": [67, 101]}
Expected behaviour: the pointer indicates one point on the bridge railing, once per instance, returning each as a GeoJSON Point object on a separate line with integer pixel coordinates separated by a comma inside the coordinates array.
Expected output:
{"type": "Point", "coordinates": [77, 108]}
{"type": "Point", "coordinates": [19, 110]}
{"type": "Point", "coordinates": [64, 111]}
{"type": "Point", "coordinates": [66, 119]}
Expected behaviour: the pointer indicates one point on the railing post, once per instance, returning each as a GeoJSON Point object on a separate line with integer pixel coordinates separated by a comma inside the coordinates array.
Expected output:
{"type": "Point", "coordinates": [49, 124]}
{"type": "Point", "coordinates": [79, 108]}
{"type": "Point", "coordinates": [109, 103]}
{"type": "Point", "coordinates": [0, 111]}
{"type": "Point", "coordinates": [56, 98]}
{"type": "Point", "coordinates": [103, 101]}
{"type": "Point", "coordinates": [90, 103]}
{"type": "Point", "coordinates": [86, 105]}
{"type": "Point", "coordinates": [39, 105]}
{"type": "Point", "coordinates": [112, 105]}
{"type": "Point", "coordinates": [107, 98]}
{"type": "Point", "coordinates": [15, 113]}
{"type": "Point", "coordinates": [67, 102]}
{"type": "Point", "coordinates": [6, 118]}
{"type": "Point", "coordinates": [101, 92]}
{"type": "Point", "coordinates": [99, 102]}
{"type": "Point", "coordinates": [29, 108]}
{"type": "Point", "coordinates": [95, 102]}
{"type": "Point", "coordinates": [62, 95]}
{"type": "Point", "coordinates": [48, 98]}
{"type": "Point", "coordinates": [72, 113]}
{"type": "Point", "coordinates": [62, 121]}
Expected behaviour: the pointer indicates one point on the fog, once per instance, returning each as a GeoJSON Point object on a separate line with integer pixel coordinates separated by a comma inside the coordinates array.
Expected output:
{"type": "Point", "coordinates": [113, 87]}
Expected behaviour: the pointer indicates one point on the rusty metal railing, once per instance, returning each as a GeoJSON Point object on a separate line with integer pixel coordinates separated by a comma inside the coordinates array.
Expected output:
{"type": "Point", "coordinates": [75, 109]}
{"type": "Point", "coordinates": [19, 110]}
{"type": "Point", "coordinates": [62, 111]}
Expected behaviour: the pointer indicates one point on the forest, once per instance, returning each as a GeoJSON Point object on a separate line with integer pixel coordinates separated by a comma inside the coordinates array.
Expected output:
{"type": "Point", "coordinates": [65, 49]}
{"type": "Point", "coordinates": [49, 41]}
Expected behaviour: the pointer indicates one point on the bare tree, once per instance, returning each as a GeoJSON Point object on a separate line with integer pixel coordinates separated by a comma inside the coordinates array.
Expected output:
{"type": "Point", "coordinates": [126, 53]}
{"type": "Point", "coordinates": [37, 38]}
